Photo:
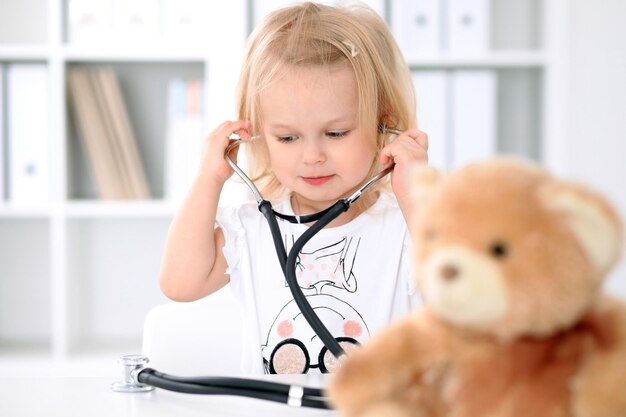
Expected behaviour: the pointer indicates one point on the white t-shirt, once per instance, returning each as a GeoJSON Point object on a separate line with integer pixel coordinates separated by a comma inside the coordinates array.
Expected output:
{"type": "Point", "coordinates": [355, 276]}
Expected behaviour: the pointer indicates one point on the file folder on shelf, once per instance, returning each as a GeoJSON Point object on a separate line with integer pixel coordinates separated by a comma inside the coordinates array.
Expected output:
{"type": "Point", "coordinates": [106, 133]}
{"type": "Point", "coordinates": [89, 21]}
{"type": "Point", "coordinates": [468, 23]}
{"type": "Point", "coordinates": [3, 164]}
{"type": "Point", "coordinates": [27, 134]}
{"type": "Point", "coordinates": [184, 136]}
{"type": "Point", "coordinates": [417, 25]}
{"type": "Point", "coordinates": [474, 122]}
{"type": "Point", "coordinates": [432, 90]}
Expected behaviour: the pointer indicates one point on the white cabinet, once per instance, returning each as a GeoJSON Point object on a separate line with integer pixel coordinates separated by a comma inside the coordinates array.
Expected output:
{"type": "Point", "coordinates": [78, 274]}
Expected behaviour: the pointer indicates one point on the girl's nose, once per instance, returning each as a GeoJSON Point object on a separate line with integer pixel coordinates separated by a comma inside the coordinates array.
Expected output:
{"type": "Point", "coordinates": [313, 152]}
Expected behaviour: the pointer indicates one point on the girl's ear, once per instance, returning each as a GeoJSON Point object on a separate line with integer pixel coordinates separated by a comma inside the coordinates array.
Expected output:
{"type": "Point", "coordinates": [424, 180]}
{"type": "Point", "coordinates": [591, 218]}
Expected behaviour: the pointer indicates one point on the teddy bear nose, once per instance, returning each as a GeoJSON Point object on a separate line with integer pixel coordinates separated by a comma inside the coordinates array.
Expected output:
{"type": "Point", "coordinates": [449, 272]}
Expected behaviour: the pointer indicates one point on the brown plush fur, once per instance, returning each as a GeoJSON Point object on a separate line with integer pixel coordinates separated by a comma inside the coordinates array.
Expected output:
{"type": "Point", "coordinates": [509, 261]}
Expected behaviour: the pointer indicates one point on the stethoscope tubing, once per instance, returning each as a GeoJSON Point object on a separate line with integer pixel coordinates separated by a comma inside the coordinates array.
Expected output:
{"type": "Point", "coordinates": [251, 388]}
{"type": "Point", "coordinates": [290, 275]}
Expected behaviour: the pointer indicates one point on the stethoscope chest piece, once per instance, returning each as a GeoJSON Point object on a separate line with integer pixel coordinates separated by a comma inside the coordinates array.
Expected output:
{"type": "Point", "coordinates": [131, 366]}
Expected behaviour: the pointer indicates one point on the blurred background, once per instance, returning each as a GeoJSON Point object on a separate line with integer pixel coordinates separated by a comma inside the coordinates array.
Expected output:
{"type": "Point", "coordinates": [104, 104]}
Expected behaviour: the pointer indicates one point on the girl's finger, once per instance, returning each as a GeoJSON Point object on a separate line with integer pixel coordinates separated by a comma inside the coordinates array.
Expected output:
{"type": "Point", "coordinates": [422, 139]}
{"type": "Point", "coordinates": [417, 136]}
{"type": "Point", "coordinates": [244, 130]}
{"type": "Point", "coordinates": [386, 155]}
{"type": "Point", "coordinates": [238, 128]}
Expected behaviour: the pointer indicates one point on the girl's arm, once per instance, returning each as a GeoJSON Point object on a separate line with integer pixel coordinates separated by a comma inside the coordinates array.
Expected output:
{"type": "Point", "coordinates": [193, 264]}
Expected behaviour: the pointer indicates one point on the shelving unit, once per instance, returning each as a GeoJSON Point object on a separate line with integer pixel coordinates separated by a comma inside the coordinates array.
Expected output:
{"type": "Point", "coordinates": [78, 275]}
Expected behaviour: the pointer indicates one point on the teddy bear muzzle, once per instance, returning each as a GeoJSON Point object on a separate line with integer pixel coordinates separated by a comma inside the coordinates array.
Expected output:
{"type": "Point", "coordinates": [464, 287]}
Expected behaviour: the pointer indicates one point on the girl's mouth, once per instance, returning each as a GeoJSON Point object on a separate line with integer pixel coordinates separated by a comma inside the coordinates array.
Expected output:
{"type": "Point", "coordinates": [317, 180]}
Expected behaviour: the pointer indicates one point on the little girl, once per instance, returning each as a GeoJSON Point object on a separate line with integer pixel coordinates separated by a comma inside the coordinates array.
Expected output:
{"type": "Point", "coordinates": [318, 85]}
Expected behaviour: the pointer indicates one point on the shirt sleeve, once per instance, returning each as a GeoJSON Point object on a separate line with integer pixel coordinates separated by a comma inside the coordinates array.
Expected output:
{"type": "Point", "coordinates": [229, 220]}
{"type": "Point", "coordinates": [235, 223]}
{"type": "Point", "coordinates": [407, 268]}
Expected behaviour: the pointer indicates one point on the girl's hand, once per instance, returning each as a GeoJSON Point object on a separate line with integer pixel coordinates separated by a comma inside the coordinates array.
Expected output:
{"type": "Point", "coordinates": [405, 150]}
{"type": "Point", "coordinates": [214, 165]}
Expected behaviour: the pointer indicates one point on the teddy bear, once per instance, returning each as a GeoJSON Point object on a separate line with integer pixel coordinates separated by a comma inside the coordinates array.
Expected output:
{"type": "Point", "coordinates": [509, 261]}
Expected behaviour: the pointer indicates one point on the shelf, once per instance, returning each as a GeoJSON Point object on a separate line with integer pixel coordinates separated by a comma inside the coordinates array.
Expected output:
{"type": "Point", "coordinates": [23, 53]}
{"type": "Point", "coordinates": [498, 59]}
{"type": "Point", "coordinates": [92, 209]}
{"type": "Point", "coordinates": [8, 211]}
{"type": "Point", "coordinates": [72, 53]}
{"type": "Point", "coordinates": [120, 209]}
{"type": "Point", "coordinates": [121, 53]}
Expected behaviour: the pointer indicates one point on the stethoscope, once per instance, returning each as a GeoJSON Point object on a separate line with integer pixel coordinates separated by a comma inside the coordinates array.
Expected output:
{"type": "Point", "coordinates": [139, 378]}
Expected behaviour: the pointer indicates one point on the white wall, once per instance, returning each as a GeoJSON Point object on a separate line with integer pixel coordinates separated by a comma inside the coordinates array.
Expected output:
{"type": "Point", "coordinates": [595, 113]}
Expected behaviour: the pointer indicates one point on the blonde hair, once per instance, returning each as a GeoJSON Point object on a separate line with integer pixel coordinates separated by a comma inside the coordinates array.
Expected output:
{"type": "Point", "coordinates": [311, 34]}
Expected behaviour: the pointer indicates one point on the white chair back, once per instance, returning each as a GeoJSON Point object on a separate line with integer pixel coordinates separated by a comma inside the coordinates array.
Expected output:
{"type": "Point", "coordinates": [197, 338]}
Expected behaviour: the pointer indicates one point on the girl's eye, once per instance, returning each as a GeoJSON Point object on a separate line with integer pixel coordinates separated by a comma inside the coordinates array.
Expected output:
{"type": "Point", "coordinates": [286, 139]}
{"type": "Point", "coordinates": [337, 134]}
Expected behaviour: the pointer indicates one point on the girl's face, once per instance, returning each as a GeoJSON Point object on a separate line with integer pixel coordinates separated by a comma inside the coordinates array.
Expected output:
{"type": "Point", "coordinates": [316, 148]}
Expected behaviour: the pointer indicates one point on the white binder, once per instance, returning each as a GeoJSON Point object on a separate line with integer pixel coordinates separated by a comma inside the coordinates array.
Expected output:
{"type": "Point", "coordinates": [187, 22]}
{"type": "Point", "coordinates": [27, 120]}
{"type": "Point", "coordinates": [432, 89]}
{"type": "Point", "coordinates": [136, 21]}
{"type": "Point", "coordinates": [468, 25]}
{"type": "Point", "coordinates": [89, 21]}
{"type": "Point", "coordinates": [417, 27]}
{"type": "Point", "coordinates": [2, 141]}
{"type": "Point", "coordinates": [473, 132]}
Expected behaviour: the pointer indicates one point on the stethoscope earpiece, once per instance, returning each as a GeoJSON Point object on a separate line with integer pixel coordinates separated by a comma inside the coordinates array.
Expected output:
{"type": "Point", "coordinates": [389, 130]}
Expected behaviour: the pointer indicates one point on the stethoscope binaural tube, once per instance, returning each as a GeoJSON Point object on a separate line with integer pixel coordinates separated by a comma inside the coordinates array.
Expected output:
{"type": "Point", "coordinates": [321, 219]}
{"type": "Point", "coordinates": [309, 218]}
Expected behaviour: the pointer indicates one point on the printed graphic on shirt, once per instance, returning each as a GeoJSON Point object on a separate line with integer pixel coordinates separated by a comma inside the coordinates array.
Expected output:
{"type": "Point", "coordinates": [332, 265]}
{"type": "Point", "coordinates": [291, 345]}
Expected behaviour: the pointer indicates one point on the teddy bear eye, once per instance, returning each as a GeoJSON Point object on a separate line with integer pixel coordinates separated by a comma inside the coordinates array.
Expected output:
{"type": "Point", "coordinates": [499, 249]}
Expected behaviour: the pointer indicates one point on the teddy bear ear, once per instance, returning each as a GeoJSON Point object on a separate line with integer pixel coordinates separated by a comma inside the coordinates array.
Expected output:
{"type": "Point", "coordinates": [592, 219]}
{"type": "Point", "coordinates": [424, 179]}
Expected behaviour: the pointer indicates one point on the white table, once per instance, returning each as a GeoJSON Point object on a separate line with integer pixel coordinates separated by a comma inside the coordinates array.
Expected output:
{"type": "Point", "coordinates": [93, 397]}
